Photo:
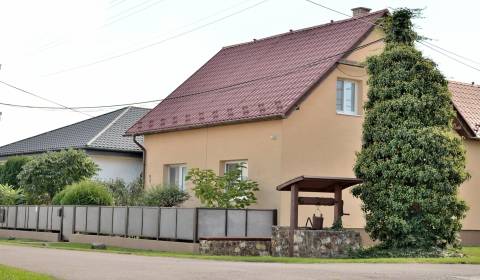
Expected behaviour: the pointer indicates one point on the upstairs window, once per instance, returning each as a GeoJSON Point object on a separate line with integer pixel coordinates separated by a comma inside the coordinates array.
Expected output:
{"type": "Point", "coordinates": [234, 164]}
{"type": "Point", "coordinates": [347, 97]}
{"type": "Point", "coordinates": [176, 175]}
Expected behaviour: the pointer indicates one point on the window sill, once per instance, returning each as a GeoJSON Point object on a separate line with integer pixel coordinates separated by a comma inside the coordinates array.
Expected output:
{"type": "Point", "coordinates": [348, 114]}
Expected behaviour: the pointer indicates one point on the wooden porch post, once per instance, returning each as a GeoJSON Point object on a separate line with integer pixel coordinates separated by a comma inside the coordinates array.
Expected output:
{"type": "Point", "coordinates": [337, 212]}
{"type": "Point", "coordinates": [293, 217]}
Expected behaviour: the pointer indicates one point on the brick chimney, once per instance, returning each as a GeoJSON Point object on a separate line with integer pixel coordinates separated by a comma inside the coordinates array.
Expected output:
{"type": "Point", "coordinates": [360, 11]}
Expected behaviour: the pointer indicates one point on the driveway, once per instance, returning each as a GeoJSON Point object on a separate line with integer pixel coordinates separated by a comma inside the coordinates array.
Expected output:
{"type": "Point", "coordinates": [66, 264]}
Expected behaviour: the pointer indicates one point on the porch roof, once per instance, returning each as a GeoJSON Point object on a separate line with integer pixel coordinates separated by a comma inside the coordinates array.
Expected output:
{"type": "Point", "coordinates": [318, 183]}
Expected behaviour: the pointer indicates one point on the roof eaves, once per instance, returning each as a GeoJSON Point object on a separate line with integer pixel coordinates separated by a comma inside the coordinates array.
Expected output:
{"type": "Point", "coordinates": [211, 124]}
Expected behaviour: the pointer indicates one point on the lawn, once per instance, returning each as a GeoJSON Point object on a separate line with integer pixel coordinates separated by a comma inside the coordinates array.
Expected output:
{"type": "Point", "coordinates": [472, 255]}
{"type": "Point", "coordinates": [11, 273]}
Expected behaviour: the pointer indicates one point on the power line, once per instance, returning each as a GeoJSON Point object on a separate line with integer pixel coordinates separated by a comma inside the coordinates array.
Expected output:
{"type": "Point", "coordinates": [430, 46]}
{"type": "Point", "coordinates": [449, 56]}
{"type": "Point", "coordinates": [235, 85]}
{"type": "Point", "coordinates": [450, 52]}
{"type": "Point", "coordinates": [43, 98]}
{"type": "Point", "coordinates": [156, 43]}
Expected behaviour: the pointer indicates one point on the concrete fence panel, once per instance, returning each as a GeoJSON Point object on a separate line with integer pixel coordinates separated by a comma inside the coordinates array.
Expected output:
{"type": "Point", "coordinates": [185, 223]}
{"type": "Point", "coordinates": [66, 222]}
{"type": "Point", "coordinates": [12, 217]}
{"type": "Point", "coordinates": [32, 217]}
{"type": "Point", "coordinates": [93, 219]}
{"type": "Point", "coordinates": [119, 220]}
{"type": "Point", "coordinates": [56, 220]}
{"type": "Point", "coordinates": [168, 223]}
{"type": "Point", "coordinates": [150, 222]}
{"type": "Point", "coordinates": [236, 223]}
{"type": "Point", "coordinates": [106, 220]}
{"type": "Point", "coordinates": [22, 217]}
{"type": "Point", "coordinates": [43, 217]}
{"type": "Point", "coordinates": [80, 219]}
{"type": "Point", "coordinates": [212, 222]}
{"type": "Point", "coordinates": [259, 223]}
{"type": "Point", "coordinates": [135, 220]}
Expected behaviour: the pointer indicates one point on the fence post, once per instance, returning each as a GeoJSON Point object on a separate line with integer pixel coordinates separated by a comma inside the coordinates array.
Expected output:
{"type": "Point", "coordinates": [126, 221]}
{"type": "Point", "coordinates": [141, 227]}
{"type": "Point", "coordinates": [113, 217]}
{"type": "Point", "coordinates": [176, 222]}
{"type": "Point", "coordinates": [159, 219]}
{"type": "Point", "coordinates": [226, 222]}
{"type": "Point", "coordinates": [37, 208]}
{"type": "Point", "coordinates": [16, 217]}
{"type": "Point", "coordinates": [61, 222]}
{"type": "Point", "coordinates": [99, 218]}
{"type": "Point", "coordinates": [195, 225]}
{"type": "Point", "coordinates": [246, 222]}
{"type": "Point", "coordinates": [74, 219]}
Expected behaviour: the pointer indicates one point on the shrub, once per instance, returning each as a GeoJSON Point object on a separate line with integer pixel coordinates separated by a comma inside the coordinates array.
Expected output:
{"type": "Point", "coordinates": [411, 162]}
{"type": "Point", "coordinates": [10, 170]}
{"type": "Point", "coordinates": [46, 174]}
{"type": "Point", "coordinates": [57, 199]}
{"type": "Point", "coordinates": [126, 194]}
{"type": "Point", "coordinates": [227, 191]}
{"type": "Point", "coordinates": [86, 192]}
{"type": "Point", "coordinates": [164, 196]}
{"type": "Point", "coordinates": [10, 196]}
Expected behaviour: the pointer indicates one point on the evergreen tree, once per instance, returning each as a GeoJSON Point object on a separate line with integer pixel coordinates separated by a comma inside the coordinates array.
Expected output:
{"type": "Point", "coordinates": [411, 161]}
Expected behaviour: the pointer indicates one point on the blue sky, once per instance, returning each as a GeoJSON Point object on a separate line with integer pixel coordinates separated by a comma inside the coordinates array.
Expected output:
{"type": "Point", "coordinates": [44, 37]}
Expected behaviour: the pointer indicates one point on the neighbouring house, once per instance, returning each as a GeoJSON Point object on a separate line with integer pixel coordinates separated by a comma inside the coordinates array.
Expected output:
{"type": "Point", "coordinates": [100, 137]}
{"type": "Point", "coordinates": [286, 106]}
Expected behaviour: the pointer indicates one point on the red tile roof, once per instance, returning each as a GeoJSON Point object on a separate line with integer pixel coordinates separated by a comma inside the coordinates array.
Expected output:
{"type": "Point", "coordinates": [263, 79]}
{"type": "Point", "coordinates": [466, 99]}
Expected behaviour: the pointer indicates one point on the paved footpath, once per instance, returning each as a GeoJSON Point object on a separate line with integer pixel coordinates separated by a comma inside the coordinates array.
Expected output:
{"type": "Point", "coordinates": [67, 264]}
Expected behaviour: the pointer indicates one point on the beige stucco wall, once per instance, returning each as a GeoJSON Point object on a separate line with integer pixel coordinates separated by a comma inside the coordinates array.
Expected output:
{"type": "Point", "coordinates": [313, 140]}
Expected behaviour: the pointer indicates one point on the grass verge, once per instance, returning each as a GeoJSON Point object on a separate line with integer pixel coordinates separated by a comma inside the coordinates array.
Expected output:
{"type": "Point", "coordinates": [472, 255]}
{"type": "Point", "coordinates": [11, 273]}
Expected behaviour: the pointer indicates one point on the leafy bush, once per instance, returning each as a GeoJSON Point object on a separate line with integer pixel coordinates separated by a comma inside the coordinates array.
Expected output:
{"type": "Point", "coordinates": [10, 196]}
{"type": "Point", "coordinates": [227, 191]}
{"type": "Point", "coordinates": [57, 199]}
{"type": "Point", "coordinates": [46, 174]}
{"type": "Point", "coordinates": [411, 162]}
{"type": "Point", "coordinates": [11, 168]}
{"type": "Point", "coordinates": [164, 196]}
{"type": "Point", "coordinates": [86, 192]}
{"type": "Point", "coordinates": [126, 194]}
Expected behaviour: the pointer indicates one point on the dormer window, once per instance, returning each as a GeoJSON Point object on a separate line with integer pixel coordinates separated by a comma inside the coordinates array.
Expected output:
{"type": "Point", "coordinates": [347, 95]}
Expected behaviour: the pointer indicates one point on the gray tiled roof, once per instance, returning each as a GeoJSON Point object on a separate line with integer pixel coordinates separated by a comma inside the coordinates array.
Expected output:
{"type": "Point", "coordinates": [104, 132]}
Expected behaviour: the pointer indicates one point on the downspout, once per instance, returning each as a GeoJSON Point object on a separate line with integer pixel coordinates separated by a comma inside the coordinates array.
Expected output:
{"type": "Point", "coordinates": [144, 178]}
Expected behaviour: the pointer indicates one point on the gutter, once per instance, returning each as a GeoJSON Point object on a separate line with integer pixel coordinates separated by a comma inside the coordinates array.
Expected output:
{"type": "Point", "coordinates": [144, 177]}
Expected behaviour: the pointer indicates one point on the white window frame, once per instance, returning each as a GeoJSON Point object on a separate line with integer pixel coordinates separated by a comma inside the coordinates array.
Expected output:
{"type": "Point", "coordinates": [344, 101]}
{"type": "Point", "coordinates": [244, 175]}
{"type": "Point", "coordinates": [182, 173]}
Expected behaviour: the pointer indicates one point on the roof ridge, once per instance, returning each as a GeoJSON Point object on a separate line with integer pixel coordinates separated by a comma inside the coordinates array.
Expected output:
{"type": "Point", "coordinates": [305, 29]}
{"type": "Point", "coordinates": [464, 83]}
{"type": "Point", "coordinates": [82, 121]}
{"type": "Point", "coordinates": [108, 126]}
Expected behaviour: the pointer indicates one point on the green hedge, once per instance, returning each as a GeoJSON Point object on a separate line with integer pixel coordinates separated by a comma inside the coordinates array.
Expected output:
{"type": "Point", "coordinates": [86, 192]}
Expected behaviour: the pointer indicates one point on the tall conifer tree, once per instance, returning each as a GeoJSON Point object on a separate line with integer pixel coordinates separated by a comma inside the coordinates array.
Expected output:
{"type": "Point", "coordinates": [411, 161]}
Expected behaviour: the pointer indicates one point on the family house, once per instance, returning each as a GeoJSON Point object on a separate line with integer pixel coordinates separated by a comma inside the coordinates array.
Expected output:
{"type": "Point", "coordinates": [286, 106]}
{"type": "Point", "coordinates": [100, 137]}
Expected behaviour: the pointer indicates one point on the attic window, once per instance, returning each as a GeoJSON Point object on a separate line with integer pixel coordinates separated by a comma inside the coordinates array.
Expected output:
{"type": "Point", "coordinates": [347, 96]}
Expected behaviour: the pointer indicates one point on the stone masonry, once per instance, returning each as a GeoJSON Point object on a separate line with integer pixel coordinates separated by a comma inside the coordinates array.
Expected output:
{"type": "Point", "coordinates": [235, 247]}
{"type": "Point", "coordinates": [315, 243]}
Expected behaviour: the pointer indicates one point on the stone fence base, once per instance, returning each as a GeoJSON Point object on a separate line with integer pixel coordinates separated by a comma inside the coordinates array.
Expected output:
{"type": "Point", "coordinates": [134, 243]}
{"type": "Point", "coordinates": [314, 243]}
{"type": "Point", "coordinates": [34, 235]}
{"type": "Point", "coordinates": [235, 246]}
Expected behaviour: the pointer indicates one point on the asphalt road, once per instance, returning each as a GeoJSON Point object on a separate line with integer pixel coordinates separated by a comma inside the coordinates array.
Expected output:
{"type": "Point", "coordinates": [66, 264]}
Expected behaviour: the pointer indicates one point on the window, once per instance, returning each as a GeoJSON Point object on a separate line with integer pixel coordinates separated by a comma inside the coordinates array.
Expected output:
{"type": "Point", "coordinates": [176, 175]}
{"type": "Point", "coordinates": [234, 164]}
{"type": "Point", "coordinates": [347, 97]}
